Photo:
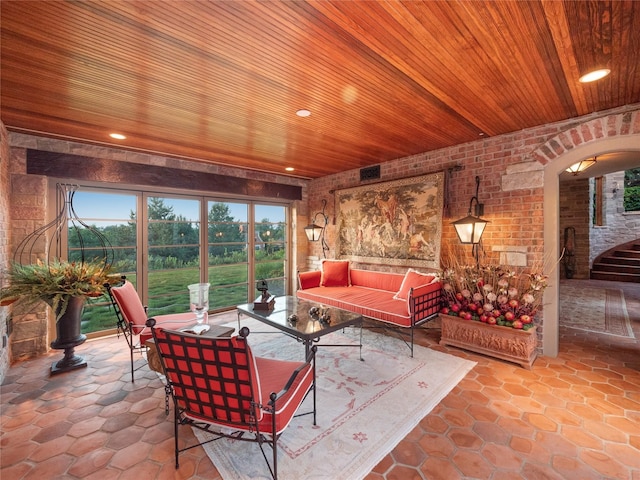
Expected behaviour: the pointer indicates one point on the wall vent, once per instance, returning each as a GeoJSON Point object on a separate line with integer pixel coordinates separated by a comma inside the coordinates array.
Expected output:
{"type": "Point", "coordinates": [370, 173]}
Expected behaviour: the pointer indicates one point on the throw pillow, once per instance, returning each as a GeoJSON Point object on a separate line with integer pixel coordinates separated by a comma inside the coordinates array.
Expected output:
{"type": "Point", "coordinates": [335, 273]}
{"type": "Point", "coordinates": [412, 279]}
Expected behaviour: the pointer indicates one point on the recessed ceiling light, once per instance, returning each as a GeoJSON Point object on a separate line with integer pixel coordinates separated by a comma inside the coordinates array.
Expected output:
{"type": "Point", "coordinates": [303, 113]}
{"type": "Point", "coordinates": [289, 169]}
{"type": "Point", "coordinates": [117, 136]}
{"type": "Point", "coordinates": [594, 75]}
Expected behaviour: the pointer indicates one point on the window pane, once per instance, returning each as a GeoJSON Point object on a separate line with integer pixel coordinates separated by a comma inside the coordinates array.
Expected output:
{"type": "Point", "coordinates": [113, 215]}
{"type": "Point", "coordinates": [228, 254]}
{"type": "Point", "coordinates": [271, 240]}
{"type": "Point", "coordinates": [173, 243]}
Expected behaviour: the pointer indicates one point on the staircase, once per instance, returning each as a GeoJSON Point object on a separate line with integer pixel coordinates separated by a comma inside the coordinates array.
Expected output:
{"type": "Point", "coordinates": [620, 264]}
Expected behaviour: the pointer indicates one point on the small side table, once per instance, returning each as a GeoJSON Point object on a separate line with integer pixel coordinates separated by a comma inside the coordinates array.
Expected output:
{"type": "Point", "coordinates": [153, 359]}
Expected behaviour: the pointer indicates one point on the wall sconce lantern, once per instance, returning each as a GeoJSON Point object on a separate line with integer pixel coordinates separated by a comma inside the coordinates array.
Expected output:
{"type": "Point", "coordinates": [316, 232]}
{"type": "Point", "coordinates": [582, 165]}
{"type": "Point", "coordinates": [471, 227]}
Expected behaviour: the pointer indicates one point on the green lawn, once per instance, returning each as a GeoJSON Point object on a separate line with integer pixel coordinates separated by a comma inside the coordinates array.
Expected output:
{"type": "Point", "coordinates": [168, 291]}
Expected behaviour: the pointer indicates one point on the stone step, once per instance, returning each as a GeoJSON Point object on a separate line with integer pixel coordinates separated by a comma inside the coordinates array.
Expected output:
{"type": "Point", "coordinates": [620, 260]}
{"type": "Point", "coordinates": [615, 277]}
{"type": "Point", "coordinates": [627, 253]}
{"type": "Point", "coordinates": [616, 267]}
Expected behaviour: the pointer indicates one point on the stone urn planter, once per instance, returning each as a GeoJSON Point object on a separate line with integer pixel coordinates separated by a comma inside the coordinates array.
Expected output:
{"type": "Point", "coordinates": [68, 336]}
{"type": "Point", "coordinates": [504, 343]}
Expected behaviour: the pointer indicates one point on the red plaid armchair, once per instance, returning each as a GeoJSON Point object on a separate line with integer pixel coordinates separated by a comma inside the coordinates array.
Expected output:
{"type": "Point", "coordinates": [219, 386]}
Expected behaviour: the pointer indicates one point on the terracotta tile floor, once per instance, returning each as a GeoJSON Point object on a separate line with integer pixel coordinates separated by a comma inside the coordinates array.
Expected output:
{"type": "Point", "coordinates": [576, 416]}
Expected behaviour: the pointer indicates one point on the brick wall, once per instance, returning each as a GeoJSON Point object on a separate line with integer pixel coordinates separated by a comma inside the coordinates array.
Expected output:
{"type": "Point", "coordinates": [510, 168]}
{"type": "Point", "coordinates": [575, 213]}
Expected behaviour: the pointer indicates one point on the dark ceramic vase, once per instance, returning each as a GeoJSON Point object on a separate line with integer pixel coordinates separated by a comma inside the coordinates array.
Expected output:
{"type": "Point", "coordinates": [68, 336]}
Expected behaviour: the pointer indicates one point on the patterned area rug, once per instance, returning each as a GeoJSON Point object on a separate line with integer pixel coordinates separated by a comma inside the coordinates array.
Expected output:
{"type": "Point", "coordinates": [594, 310]}
{"type": "Point", "coordinates": [364, 407]}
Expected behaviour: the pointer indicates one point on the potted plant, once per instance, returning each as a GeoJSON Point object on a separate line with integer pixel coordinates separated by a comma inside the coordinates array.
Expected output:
{"type": "Point", "coordinates": [64, 286]}
{"type": "Point", "coordinates": [492, 310]}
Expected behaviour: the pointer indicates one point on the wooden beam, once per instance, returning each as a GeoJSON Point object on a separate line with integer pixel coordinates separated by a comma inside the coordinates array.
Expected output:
{"type": "Point", "coordinates": [64, 165]}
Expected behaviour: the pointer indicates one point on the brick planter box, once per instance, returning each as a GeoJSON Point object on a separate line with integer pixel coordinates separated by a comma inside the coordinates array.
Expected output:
{"type": "Point", "coordinates": [504, 343]}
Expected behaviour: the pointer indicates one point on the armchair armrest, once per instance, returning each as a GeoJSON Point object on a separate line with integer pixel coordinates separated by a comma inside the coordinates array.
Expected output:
{"type": "Point", "coordinates": [424, 301]}
{"type": "Point", "coordinates": [309, 362]}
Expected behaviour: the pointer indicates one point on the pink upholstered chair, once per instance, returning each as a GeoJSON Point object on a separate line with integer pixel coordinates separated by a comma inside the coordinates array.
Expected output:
{"type": "Point", "coordinates": [132, 318]}
{"type": "Point", "coordinates": [219, 386]}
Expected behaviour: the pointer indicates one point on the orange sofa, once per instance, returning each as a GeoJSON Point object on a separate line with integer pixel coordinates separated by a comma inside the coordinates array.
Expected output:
{"type": "Point", "coordinates": [399, 300]}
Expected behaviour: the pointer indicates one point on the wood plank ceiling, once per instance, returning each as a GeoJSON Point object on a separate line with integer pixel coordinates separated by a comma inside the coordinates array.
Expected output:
{"type": "Point", "coordinates": [220, 81]}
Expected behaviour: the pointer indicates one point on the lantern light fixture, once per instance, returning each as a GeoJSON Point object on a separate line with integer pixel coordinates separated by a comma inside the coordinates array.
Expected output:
{"type": "Point", "coordinates": [316, 232]}
{"type": "Point", "coordinates": [582, 165]}
{"type": "Point", "coordinates": [471, 227]}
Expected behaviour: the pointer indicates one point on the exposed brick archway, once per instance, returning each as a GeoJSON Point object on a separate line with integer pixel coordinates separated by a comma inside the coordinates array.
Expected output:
{"type": "Point", "coordinates": [593, 131]}
{"type": "Point", "coordinates": [605, 134]}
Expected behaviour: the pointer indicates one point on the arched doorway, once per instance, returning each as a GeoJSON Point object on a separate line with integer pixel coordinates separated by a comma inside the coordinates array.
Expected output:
{"type": "Point", "coordinates": [616, 141]}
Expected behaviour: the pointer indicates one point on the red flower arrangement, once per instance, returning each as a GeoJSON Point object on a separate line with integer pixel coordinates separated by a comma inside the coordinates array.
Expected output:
{"type": "Point", "coordinates": [493, 295]}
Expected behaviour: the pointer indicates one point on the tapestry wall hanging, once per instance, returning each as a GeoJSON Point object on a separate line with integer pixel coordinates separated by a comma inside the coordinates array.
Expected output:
{"type": "Point", "coordinates": [394, 223]}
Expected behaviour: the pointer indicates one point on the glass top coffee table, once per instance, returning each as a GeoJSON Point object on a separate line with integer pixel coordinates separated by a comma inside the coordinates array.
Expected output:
{"type": "Point", "coordinates": [307, 326]}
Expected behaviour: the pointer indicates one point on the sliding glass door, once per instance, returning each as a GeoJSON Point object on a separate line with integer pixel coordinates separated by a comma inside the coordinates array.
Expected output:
{"type": "Point", "coordinates": [163, 243]}
{"type": "Point", "coordinates": [172, 254]}
{"type": "Point", "coordinates": [228, 253]}
{"type": "Point", "coordinates": [271, 247]}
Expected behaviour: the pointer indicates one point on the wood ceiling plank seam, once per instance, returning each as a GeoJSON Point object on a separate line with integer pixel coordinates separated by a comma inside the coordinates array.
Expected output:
{"type": "Point", "coordinates": [92, 77]}
{"type": "Point", "coordinates": [417, 110]}
{"type": "Point", "coordinates": [375, 45]}
{"type": "Point", "coordinates": [559, 31]}
{"type": "Point", "coordinates": [425, 27]}
{"type": "Point", "coordinates": [625, 45]}
{"type": "Point", "coordinates": [497, 46]}
{"type": "Point", "coordinates": [330, 65]}
{"type": "Point", "coordinates": [419, 33]}
{"type": "Point", "coordinates": [542, 54]}
{"type": "Point", "coordinates": [507, 20]}
{"type": "Point", "coordinates": [249, 66]}
{"type": "Point", "coordinates": [580, 17]}
{"type": "Point", "coordinates": [412, 110]}
{"type": "Point", "coordinates": [178, 43]}
{"type": "Point", "coordinates": [406, 14]}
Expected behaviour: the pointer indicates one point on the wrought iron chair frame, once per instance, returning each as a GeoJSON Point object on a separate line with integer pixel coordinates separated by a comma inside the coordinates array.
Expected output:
{"type": "Point", "coordinates": [127, 327]}
{"type": "Point", "coordinates": [239, 416]}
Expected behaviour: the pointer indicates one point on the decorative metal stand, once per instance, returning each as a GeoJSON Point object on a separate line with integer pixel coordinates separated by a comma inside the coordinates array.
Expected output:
{"type": "Point", "coordinates": [49, 242]}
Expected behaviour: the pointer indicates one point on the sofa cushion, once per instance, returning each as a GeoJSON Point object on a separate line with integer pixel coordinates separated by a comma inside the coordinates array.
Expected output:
{"type": "Point", "coordinates": [335, 273]}
{"type": "Point", "coordinates": [378, 280]}
{"type": "Point", "coordinates": [368, 302]}
{"type": "Point", "coordinates": [412, 279]}
{"type": "Point", "coordinates": [309, 279]}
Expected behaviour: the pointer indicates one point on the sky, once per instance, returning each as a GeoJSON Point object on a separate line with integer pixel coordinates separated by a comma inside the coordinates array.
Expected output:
{"type": "Point", "coordinates": [117, 206]}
